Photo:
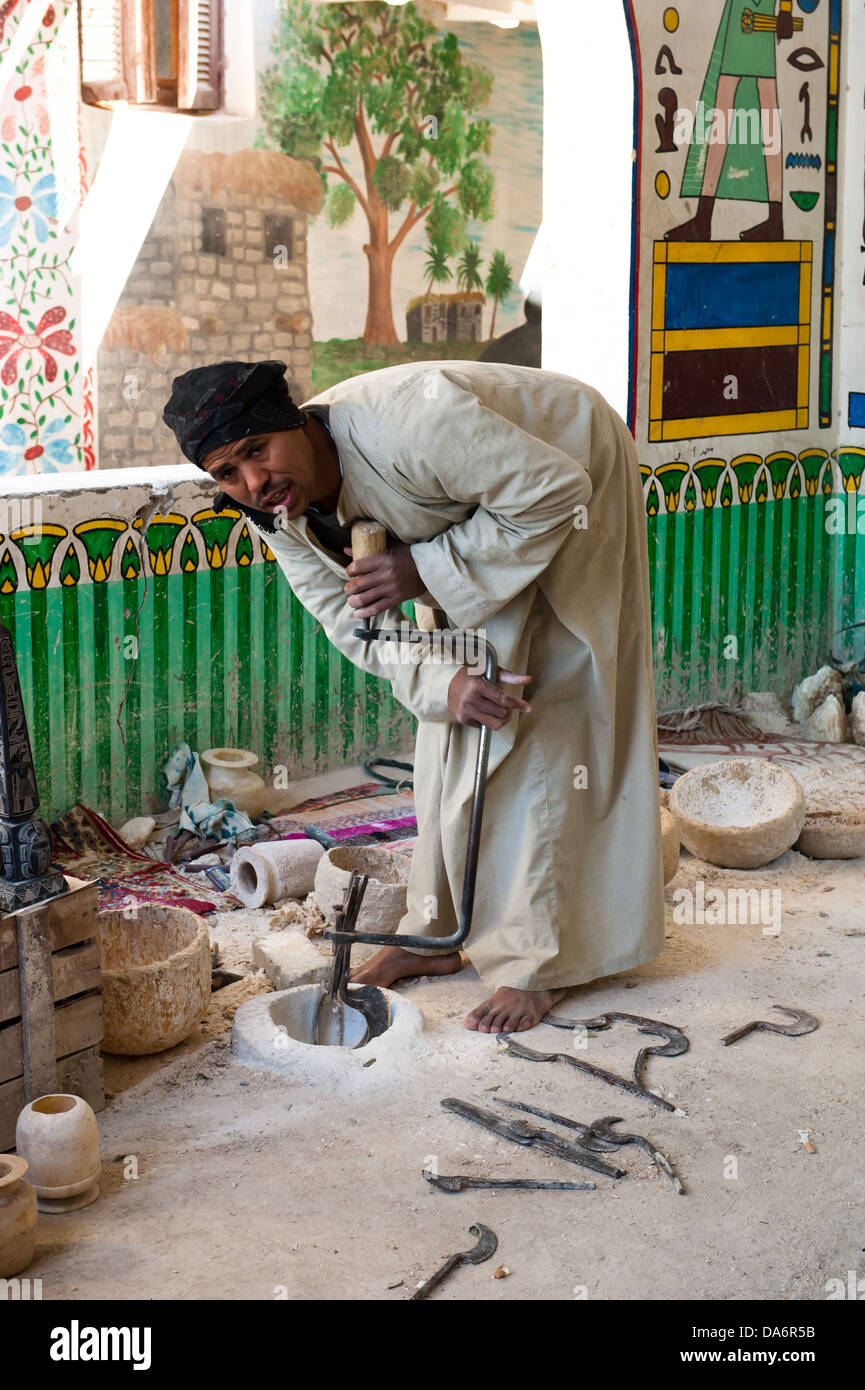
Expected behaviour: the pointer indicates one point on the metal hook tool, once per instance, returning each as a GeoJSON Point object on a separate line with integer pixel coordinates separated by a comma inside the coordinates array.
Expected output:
{"type": "Point", "coordinates": [675, 1045]}
{"type": "Point", "coordinates": [486, 1247]}
{"type": "Point", "coordinates": [602, 1136]}
{"type": "Point", "coordinates": [458, 1183]}
{"type": "Point", "coordinates": [803, 1023]}
{"type": "Point", "coordinates": [603, 1130]}
{"type": "Point", "coordinates": [530, 1136]}
{"type": "Point", "coordinates": [588, 1137]}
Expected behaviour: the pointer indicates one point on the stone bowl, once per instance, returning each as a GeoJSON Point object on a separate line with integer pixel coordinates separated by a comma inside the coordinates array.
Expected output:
{"type": "Point", "coordinates": [832, 835]}
{"type": "Point", "coordinates": [739, 814]}
{"type": "Point", "coordinates": [385, 897]}
{"type": "Point", "coordinates": [275, 1031]}
{"type": "Point", "coordinates": [155, 977]}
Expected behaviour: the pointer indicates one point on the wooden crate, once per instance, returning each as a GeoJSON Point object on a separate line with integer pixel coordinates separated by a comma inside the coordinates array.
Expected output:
{"type": "Point", "coordinates": [50, 1004]}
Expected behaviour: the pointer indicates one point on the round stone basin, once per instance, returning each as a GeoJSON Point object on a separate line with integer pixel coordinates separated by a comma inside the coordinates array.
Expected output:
{"type": "Point", "coordinates": [297, 1012]}
{"type": "Point", "coordinates": [384, 901]}
{"type": "Point", "coordinates": [155, 977]}
{"type": "Point", "coordinates": [277, 1031]}
{"type": "Point", "coordinates": [740, 813]}
{"type": "Point", "coordinates": [832, 835]}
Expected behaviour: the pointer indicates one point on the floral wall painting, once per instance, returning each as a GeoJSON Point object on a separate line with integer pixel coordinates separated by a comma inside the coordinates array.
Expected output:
{"type": "Point", "coordinates": [736, 246]}
{"type": "Point", "coordinates": [45, 421]}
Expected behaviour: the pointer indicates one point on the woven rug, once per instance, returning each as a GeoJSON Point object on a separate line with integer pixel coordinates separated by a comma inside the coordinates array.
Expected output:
{"type": "Point", "coordinates": [832, 775]}
{"type": "Point", "coordinates": [366, 815]}
{"type": "Point", "coordinates": [87, 847]}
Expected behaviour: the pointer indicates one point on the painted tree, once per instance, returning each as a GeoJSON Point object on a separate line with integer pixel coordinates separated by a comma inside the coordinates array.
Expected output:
{"type": "Point", "coordinates": [381, 80]}
{"type": "Point", "coordinates": [499, 283]}
{"type": "Point", "coordinates": [469, 267]}
{"type": "Point", "coordinates": [437, 267]}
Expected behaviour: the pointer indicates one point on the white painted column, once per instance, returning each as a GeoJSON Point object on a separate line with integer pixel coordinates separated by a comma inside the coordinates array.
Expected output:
{"type": "Point", "coordinates": [850, 263]}
{"type": "Point", "coordinates": [588, 171]}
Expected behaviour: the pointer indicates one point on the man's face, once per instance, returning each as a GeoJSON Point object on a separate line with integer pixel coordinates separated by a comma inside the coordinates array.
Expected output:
{"type": "Point", "coordinates": [267, 471]}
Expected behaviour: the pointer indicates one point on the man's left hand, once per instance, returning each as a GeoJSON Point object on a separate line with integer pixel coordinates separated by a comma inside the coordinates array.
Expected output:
{"type": "Point", "coordinates": [785, 25]}
{"type": "Point", "coordinates": [383, 581]}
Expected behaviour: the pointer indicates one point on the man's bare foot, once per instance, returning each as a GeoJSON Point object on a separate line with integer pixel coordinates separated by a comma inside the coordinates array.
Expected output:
{"type": "Point", "coordinates": [513, 1010]}
{"type": "Point", "coordinates": [393, 963]}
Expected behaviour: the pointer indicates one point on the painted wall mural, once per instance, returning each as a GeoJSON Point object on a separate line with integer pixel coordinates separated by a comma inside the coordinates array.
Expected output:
{"type": "Point", "coordinates": [45, 398]}
{"type": "Point", "coordinates": [222, 274]}
{"type": "Point", "coordinates": [429, 141]}
{"type": "Point", "coordinates": [752, 478]}
{"type": "Point", "coordinates": [136, 631]}
{"type": "Point", "coordinates": [734, 322]}
{"type": "Point", "coordinates": [357, 222]}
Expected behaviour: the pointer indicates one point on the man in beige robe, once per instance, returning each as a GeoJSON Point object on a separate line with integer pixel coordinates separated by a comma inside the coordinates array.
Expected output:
{"type": "Point", "coordinates": [513, 503]}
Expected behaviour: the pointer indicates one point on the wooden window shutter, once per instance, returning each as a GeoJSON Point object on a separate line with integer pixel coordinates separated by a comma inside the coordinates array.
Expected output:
{"type": "Point", "coordinates": [103, 66]}
{"type": "Point", "coordinates": [199, 80]}
{"type": "Point", "coordinates": [118, 50]}
{"type": "Point", "coordinates": [139, 41]}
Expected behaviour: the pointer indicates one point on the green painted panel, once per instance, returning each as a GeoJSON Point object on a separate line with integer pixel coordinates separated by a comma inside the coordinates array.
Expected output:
{"type": "Point", "coordinates": [228, 654]}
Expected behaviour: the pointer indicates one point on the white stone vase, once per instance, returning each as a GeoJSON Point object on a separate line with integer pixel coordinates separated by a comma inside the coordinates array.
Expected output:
{"type": "Point", "coordinates": [18, 1216]}
{"type": "Point", "coordinates": [228, 776]}
{"type": "Point", "coordinates": [384, 902]}
{"type": "Point", "coordinates": [274, 869]}
{"type": "Point", "coordinates": [59, 1138]}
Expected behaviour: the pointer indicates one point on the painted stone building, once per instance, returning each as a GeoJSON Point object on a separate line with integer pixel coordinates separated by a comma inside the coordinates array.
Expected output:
{"type": "Point", "coordinates": [222, 273]}
{"type": "Point", "coordinates": [444, 318]}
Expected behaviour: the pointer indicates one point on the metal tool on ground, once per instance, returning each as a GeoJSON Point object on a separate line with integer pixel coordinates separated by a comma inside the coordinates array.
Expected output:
{"type": "Point", "coordinates": [458, 1183]}
{"type": "Point", "coordinates": [603, 1130]}
{"type": "Point", "coordinates": [486, 1247]}
{"type": "Point", "coordinates": [587, 1135]}
{"type": "Point", "coordinates": [675, 1045]}
{"type": "Point", "coordinates": [602, 1136]}
{"type": "Point", "coordinates": [803, 1023]}
{"type": "Point", "coordinates": [530, 1136]}
{"type": "Point", "coordinates": [370, 538]}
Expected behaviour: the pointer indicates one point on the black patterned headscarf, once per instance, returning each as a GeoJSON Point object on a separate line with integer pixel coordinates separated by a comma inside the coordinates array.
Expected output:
{"type": "Point", "coordinates": [216, 405]}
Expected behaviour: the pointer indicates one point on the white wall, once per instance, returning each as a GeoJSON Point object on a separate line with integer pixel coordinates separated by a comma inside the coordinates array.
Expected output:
{"type": "Point", "coordinates": [588, 169]}
{"type": "Point", "coordinates": [850, 308]}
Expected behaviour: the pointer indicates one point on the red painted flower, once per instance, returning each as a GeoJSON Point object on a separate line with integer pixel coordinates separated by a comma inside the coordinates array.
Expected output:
{"type": "Point", "coordinates": [22, 93]}
{"type": "Point", "coordinates": [21, 340]}
{"type": "Point", "coordinates": [48, 17]}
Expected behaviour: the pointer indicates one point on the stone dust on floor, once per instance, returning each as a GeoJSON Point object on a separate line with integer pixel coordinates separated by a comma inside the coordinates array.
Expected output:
{"type": "Point", "coordinates": [224, 1182]}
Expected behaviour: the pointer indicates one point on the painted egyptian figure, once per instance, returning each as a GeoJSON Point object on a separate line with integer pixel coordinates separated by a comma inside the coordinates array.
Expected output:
{"type": "Point", "coordinates": [736, 148]}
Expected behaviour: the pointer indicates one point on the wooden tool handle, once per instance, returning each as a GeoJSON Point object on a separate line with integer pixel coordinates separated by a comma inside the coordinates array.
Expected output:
{"type": "Point", "coordinates": [368, 538]}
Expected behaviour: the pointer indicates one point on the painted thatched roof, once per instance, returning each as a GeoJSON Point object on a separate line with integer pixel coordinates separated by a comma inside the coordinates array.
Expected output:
{"type": "Point", "coordinates": [148, 328]}
{"type": "Point", "coordinates": [259, 173]}
{"type": "Point", "coordinates": [458, 297]}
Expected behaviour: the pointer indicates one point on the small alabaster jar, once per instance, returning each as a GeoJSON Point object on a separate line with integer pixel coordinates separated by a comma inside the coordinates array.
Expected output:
{"type": "Point", "coordinates": [229, 776]}
{"type": "Point", "coordinates": [17, 1216]}
{"type": "Point", "coordinates": [59, 1138]}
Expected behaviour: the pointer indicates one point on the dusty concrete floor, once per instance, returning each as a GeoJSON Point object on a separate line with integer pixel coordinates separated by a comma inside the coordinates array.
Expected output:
{"type": "Point", "coordinates": [256, 1186]}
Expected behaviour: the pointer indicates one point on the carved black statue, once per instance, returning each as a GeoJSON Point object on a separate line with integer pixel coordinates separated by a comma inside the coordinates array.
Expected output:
{"type": "Point", "coordinates": [26, 876]}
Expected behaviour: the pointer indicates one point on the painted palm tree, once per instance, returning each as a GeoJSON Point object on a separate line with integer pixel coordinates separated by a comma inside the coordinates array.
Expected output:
{"type": "Point", "coordinates": [499, 283]}
{"type": "Point", "coordinates": [469, 268]}
{"type": "Point", "coordinates": [437, 268]}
